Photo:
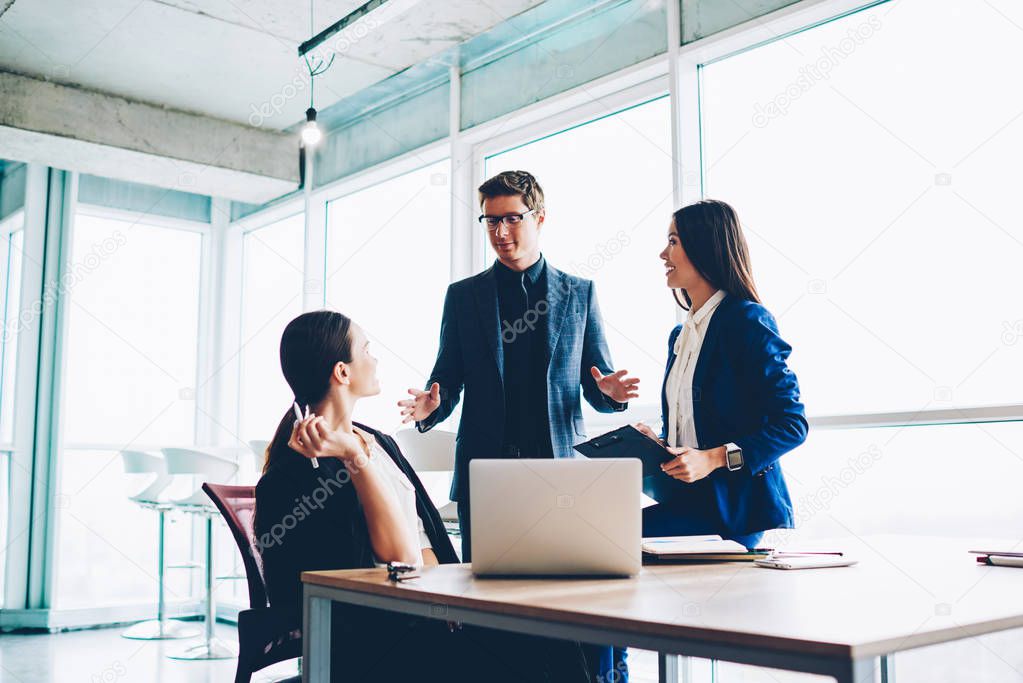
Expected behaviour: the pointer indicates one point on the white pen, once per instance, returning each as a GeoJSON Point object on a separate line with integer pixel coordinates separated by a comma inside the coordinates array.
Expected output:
{"type": "Point", "coordinates": [298, 414]}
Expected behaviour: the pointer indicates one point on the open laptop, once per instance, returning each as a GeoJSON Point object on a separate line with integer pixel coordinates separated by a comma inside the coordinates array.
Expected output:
{"type": "Point", "coordinates": [562, 517]}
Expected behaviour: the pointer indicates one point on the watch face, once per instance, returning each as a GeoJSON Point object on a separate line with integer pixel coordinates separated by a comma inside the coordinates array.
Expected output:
{"type": "Point", "coordinates": [734, 458]}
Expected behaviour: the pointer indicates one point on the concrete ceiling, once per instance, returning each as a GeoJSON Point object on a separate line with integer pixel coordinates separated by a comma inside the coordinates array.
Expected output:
{"type": "Point", "coordinates": [228, 58]}
{"type": "Point", "coordinates": [157, 91]}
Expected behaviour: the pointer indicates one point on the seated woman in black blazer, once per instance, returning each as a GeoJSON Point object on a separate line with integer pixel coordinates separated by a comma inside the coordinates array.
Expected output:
{"type": "Point", "coordinates": [364, 506]}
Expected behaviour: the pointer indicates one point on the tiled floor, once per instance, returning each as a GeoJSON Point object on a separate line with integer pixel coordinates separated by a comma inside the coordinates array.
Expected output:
{"type": "Point", "coordinates": [102, 656]}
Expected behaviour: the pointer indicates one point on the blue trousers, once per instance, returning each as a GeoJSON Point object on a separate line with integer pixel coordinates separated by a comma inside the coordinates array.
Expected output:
{"type": "Point", "coordinates": [662, 520]}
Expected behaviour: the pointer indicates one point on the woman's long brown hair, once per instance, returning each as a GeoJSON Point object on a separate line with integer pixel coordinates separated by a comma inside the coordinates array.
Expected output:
{"type": "Point", "coordinates": [712, 238]}
{"type": "Point", "coordinates": [312, 344]}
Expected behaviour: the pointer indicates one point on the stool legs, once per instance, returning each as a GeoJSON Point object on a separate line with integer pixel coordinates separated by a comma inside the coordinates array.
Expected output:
{"type": "Point", "coordinates": [211, 647]}
{"type": "Point", "coordinates": [161, 628]}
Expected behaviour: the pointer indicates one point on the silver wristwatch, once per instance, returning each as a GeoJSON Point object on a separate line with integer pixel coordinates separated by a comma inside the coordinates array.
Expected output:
{"type": "Point", "coordinates": [733, 457]}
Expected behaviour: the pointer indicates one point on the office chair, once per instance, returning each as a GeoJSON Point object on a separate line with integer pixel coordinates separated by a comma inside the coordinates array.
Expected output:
{"type": "Point", "coordinates": [263, 636]}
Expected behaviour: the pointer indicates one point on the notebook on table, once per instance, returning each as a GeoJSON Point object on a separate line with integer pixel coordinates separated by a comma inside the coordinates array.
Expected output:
{"type": "Point", "coordinates": [999, 558]}
{"type": "Point", "coordinates": [698, 549]}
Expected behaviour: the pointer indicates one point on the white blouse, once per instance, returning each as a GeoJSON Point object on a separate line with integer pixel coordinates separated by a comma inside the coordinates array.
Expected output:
{"type": "Point", "coordinates": [404, 491]}
{"type": "Point", "coordinates": [681, 430]}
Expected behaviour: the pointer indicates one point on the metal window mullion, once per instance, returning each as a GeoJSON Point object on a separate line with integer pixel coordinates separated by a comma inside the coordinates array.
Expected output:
{"type": "Point", "coordinates": [52, 342]}
{"type": "Point", "coordinates": [19, 512]}
{"type": "Point", "coordinates": [940, 416]}
{"type": "Point", "coordinates": [314, 266]}
{"type": "Point", "coordinates": [461, 183]}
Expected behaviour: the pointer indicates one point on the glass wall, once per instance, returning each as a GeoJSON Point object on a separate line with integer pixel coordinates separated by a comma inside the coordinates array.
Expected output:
{"type": "Point", "coordinates": [271, 297]}
{"type": "Point", "coordinates": [129, 381]}
{"type": "Point", "coordinates": [885, 239]}
{"type": "Point", "coordinates": [11, 245]}
{"type": "Point", "coordinates": [388, 266]}
{"type": "Point", "coordinates": [608, 191]}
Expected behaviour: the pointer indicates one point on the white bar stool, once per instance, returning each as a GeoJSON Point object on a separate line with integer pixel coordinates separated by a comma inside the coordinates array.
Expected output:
{"type": "Point", "coordinates": [259, 447]}
{"type": "Point", "coordinates": [432, 451]}
{"type": "Point", "coordinates": [142, 463]}
{"type": "Point", "coordinates": [207, 467]}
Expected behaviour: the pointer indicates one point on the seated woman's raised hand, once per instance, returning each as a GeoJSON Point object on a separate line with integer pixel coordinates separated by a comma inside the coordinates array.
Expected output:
{"type": "Point", "coordinates": [313, 438]}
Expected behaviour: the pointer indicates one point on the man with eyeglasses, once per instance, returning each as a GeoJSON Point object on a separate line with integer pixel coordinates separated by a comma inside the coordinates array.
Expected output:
{"type": "Point", "coordinates": [520, 338]}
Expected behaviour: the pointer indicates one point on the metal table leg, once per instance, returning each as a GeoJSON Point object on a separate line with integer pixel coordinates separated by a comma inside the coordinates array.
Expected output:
{"type": "Point", "coordinates": [316, 640]}
{"type": "Point", "coordinates": [887, 668]}
{"type": "Point", "coordinates": [668, 667]}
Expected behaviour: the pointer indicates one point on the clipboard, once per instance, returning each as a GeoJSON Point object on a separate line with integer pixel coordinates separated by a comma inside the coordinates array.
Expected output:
{"type": "Point", "coordinates": [629, 442]}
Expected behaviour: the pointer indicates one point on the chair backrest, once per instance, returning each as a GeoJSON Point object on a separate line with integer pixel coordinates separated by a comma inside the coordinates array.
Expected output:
{"type": "Point", "coordinates": [238, 506]}
{"type": "Point", "coordinates": [432, 451]}
{"type": "Point", "coordinates": [141, 462]}
{"type": "Point", "coordinates": [191, 461]}
{"type": "Point", "coordinates": [258, 447]}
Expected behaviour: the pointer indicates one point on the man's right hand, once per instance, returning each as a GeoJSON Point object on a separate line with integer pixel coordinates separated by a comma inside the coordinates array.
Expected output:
{"type": "Point", "coordinates": [421, 405]}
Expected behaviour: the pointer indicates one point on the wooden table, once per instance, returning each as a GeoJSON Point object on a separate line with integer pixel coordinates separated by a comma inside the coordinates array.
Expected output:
{"type": "Point", "coordinates": [907, 592]}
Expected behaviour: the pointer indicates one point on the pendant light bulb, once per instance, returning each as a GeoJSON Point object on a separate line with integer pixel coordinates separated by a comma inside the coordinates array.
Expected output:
{"type": "Point", "coordinates": [311, 133]}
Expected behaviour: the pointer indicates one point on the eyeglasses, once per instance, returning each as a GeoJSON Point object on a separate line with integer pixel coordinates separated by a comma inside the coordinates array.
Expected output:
{"type": "Point", "coordinates": [511, 219]}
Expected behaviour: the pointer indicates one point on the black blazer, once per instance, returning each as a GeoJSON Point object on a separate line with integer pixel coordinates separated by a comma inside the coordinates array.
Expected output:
{"type": "Point", "coordinates": [471, 357]}
{"type": "Point", "coordinates": [309, 519]}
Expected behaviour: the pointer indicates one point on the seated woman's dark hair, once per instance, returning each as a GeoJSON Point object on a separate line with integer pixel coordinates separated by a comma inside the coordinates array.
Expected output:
{"type": "Point", "coordinates": [312, 344]}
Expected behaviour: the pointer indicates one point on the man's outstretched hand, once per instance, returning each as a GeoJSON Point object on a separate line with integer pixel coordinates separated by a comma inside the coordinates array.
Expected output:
{"type": "Point", "coordinates": [421, 405]}
{"type": "Point", "coordinates": [616, 385]}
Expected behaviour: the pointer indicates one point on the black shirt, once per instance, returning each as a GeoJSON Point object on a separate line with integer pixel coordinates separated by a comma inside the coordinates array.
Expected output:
{"type": "Point", "coordinates": [523, 306]}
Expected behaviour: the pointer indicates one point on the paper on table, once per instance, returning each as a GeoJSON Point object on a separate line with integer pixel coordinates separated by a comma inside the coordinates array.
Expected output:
{"type": "Point", "coordinates": [691, 545]}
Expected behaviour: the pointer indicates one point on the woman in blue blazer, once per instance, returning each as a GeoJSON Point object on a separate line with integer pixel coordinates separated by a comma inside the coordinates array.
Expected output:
{"type": "Point", "coordinates": [730, 404]}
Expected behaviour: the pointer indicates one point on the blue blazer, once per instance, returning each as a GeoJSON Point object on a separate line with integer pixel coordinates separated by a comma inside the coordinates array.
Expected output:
{"type": "Point", "coordinates": [743, 392]}
{"type": "Point", "coordinates": [471, 357]}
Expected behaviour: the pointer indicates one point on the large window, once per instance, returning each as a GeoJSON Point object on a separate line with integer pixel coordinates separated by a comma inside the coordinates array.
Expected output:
{"type": "Point", "coordinates": [129, 382]}
{"type": "Point", "coordinates": [388, 267]}
{"type": "Point", "coordinates": [608, 192]}
{"type": "Point", "coordinates": [884, 228]}
{"type": "Point", "coordinates": [11, 245]}
{"type": "Point", "coordinates": [271, 298]}
{"type": "Point", "coordinates": [877, 186]}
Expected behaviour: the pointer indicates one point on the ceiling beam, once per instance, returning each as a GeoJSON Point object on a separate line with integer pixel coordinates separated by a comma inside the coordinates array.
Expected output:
{"type": "Point", "coordinates": [84, 130]}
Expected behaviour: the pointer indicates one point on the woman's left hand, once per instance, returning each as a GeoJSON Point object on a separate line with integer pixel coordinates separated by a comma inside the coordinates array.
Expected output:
{"type": "Point", "coordinates": [692, 464]}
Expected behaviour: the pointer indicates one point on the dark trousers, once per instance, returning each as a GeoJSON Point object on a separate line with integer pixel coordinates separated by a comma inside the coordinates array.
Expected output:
{"type": "Point", "coordinates": [606, 664]}
{"type": "Point", "coordinates": [374, 645]}
{"type": "Point", "coordinates": [463, 528]}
